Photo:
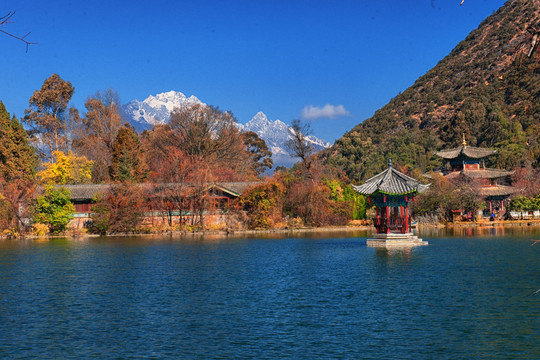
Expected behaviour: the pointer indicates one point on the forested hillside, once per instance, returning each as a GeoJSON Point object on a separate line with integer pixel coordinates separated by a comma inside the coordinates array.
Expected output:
{"type": "Point", "coordinates": [487, 88]}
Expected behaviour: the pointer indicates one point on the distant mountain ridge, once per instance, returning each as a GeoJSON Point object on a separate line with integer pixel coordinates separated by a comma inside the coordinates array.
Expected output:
{"type": "Point", "coordinates": [143, 115]}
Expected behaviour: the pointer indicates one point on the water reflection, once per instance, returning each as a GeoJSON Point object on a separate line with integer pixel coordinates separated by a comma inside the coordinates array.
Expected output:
{"type": "Point", "coordinates": [304, 297]}
{"type": "Point", "coordinates": [390, 253]}
{"type": "Point", "coordinates": [479, 230]}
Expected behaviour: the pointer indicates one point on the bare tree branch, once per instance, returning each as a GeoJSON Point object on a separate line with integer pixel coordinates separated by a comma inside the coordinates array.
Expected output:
{"type": "Point", "coordinates": [6, 19]}
{"type": "Point", "coordinates": [298, 145]}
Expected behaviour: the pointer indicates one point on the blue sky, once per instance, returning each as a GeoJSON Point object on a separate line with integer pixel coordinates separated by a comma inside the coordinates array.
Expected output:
{"type": "Point", "coordinates": [341, 60]}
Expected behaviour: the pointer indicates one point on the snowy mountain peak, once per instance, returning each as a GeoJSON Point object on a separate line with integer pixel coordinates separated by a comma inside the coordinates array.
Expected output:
{"type": "Point", "coordinates": [259, 118]}
{"type": "Point", "coordinates": [156, 109]}
{"type": "Point", "coordinates": [276, 134]}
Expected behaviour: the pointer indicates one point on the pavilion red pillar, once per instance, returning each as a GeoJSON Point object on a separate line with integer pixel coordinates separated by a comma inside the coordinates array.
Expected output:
{"type": "Point", "coordinates": [387, 219]}
{"type": "Point", "coordinates": [402, 219]}
{"type": "Point", "coordinates": [406, 225]}
{"type": "Point", "coordinates": [490, 207]}
{"type": "Point", "coordinates": [396, 223]}
{"type": "Point", "coordinates": [377, 220]}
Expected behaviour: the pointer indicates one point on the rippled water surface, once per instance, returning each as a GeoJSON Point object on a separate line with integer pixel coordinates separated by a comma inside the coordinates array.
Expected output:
{"type": "Point", "coordinates": [468, 297]}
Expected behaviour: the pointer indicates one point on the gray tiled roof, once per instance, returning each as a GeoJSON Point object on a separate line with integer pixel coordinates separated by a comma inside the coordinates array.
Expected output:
{"type": "Point", "coordinates": [498, 190]}
{"type": "Point", "coordinates": [89, 191]}
{"type": "Point", "coordinates": [86, 191]}
{"type": "Point", "coordinates": [484, 173]}
{"type": "Point", "coordinates": [237, 188]}
{"type": "Point", "coordinates": [469, 151]}
{"type": "Point", "coordinates": [391, 182]}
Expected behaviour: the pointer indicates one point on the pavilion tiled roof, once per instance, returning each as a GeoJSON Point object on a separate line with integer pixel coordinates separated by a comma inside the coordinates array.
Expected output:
{"type": "Point", "coordinates": [468, 151]}
{"type": "Point", "coordinates": [391, 182]}
{"type": "Point", "coordinates": [498, 190]}
{"type": "Point", "coordinates": [484, 173]}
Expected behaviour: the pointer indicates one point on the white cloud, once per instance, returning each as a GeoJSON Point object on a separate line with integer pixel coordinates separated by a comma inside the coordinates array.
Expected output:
{"type": "Point", "coordinates": [327, 111]}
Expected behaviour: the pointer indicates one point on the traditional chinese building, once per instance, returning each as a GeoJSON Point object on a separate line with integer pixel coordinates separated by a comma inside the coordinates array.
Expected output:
{"type": "Point", "coordinates": [391, 192]}
{"type": "Point", "coordinates": [218, 197]}
{"type": "Point", "coordinates": [468, 162]}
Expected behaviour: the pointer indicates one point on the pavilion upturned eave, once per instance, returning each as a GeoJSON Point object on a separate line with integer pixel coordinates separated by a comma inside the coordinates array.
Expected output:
{"type": "Point", "coordinates": [465, 151]}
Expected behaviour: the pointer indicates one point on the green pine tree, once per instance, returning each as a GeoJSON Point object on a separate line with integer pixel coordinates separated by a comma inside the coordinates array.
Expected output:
{"type": "Point", "coordinates": [128, 162]}
{"type": "Point", "coordinates": [17, 158]}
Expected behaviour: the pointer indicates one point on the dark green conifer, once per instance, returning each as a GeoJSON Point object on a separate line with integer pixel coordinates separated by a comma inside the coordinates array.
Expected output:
{"type": "Point", "coordinates": [17, 158]}
{"type": "Point", "coordinates": [128, 162]}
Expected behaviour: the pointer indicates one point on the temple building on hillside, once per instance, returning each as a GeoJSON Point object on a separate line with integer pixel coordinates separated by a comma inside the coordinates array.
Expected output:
{"type": "Point", "coordinates": [494, 184]}
{"type": "Point", "coordinates": [391, 192]}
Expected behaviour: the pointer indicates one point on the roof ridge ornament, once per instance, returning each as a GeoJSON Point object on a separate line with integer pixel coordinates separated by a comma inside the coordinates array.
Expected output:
{"type": "Point", "coordinates": [389, 162]}
{"type": "Point", "coordinates": [464, 143]}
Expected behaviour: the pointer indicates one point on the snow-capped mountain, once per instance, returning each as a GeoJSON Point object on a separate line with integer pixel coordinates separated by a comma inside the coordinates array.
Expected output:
{"type": "Point", "coordinates": [276, 133]}
{"type": "Point", "coordinates": [156, 110]}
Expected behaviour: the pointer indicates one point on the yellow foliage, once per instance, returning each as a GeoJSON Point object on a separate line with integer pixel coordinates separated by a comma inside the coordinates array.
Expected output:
{"type": "Point", "coordinates": [10, 233]}
{"type": "Point", "coordinates": [40, 229]}
{"type": "Point", "coordinates": [67, 169]}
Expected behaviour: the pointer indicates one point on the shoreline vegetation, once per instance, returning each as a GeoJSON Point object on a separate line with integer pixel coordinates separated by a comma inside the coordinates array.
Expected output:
{"type": "Point", "coordinates": [350, 228]}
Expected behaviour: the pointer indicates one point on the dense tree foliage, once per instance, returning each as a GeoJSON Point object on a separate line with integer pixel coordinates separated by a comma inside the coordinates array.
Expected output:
{"type": "Point", "coordinates": [299, 197]}
{"type": "Point", "coordinates": [486, 88]}
{"type": "Point", "coordinates": [17, 173]}
{"type": "Point", "coordinates": [15, 199]}
{"type": "Point", "coordinates": [54, 209]}
{"type": "Point", "coordinates": [264, 204]}
{"type": "Point", "coordinates": [17, 157]}
{"type": "Point", "coordinates": [523, 203]}
{"type": "Point", "coordinates": [120, 210]}
{"type": "Point", "coordinates": [344, 193]}
{"type": "Point", "coordinates": [66, 169]}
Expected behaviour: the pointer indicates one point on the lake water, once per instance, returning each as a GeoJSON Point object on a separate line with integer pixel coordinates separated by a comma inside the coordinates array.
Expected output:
{"type": "Point", "coordinates": [466, 296]}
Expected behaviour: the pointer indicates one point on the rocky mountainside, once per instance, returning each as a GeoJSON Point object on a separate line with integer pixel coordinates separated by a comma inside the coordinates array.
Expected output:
{"type": "Point", "coordinates": [156, 109]}
{"type": "Point", "coordinates": [487, 88]}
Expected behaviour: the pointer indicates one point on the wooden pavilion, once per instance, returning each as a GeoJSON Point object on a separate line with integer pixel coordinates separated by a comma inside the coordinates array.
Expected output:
{"type": "Point", "coordinates": [391, 192]}
{"type": "Point", "coordinates": [493, 184]}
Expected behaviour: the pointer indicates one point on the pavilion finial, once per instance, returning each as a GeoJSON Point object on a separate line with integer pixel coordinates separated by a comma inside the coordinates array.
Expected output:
{"type": "Point", "coordinates": [464, 141]}
{"type": "Point", "coordinates": [389, 162]}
